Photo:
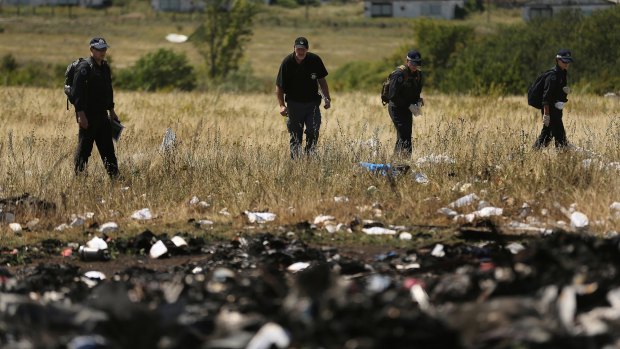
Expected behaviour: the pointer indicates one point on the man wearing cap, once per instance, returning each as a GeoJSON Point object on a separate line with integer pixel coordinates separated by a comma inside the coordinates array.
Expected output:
{"type": "Point", "coordinates": [554, 97]}
{"type": "Point", "coordinates": [94, 107]}
{"type": "Point", "coordinates": [405, 100]}
{"type": "Point", "coordinates": [300, 80]}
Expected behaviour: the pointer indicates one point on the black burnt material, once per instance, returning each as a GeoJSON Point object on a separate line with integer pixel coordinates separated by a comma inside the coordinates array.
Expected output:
{"type": "Point", "coordinates": [559, 291]}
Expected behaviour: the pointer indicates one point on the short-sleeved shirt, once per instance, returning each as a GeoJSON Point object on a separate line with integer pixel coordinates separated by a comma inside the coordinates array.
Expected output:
{"type": "Point", "coordinates": [299, 81]}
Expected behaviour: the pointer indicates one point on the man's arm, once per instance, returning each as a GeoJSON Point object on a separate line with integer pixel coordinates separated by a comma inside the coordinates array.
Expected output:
{"type": "Point", "coordinates": [325, 92]}
{"type": "Point", "coordinates": [280, 95]}
{"type": "Point", "coordinates": [79, 86]}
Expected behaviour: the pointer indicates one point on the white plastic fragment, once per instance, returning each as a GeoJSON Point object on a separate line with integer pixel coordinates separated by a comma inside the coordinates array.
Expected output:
{"type": "Point", "coordinates": [169, 141]}
{"type": "Point", "coordinates": [567, 305]}
{"type": "Point", "coordinates": [419, 296]}
{"type": "Point", "coordinates": [438, 251]}
{"type": "Point", "coordinates": [224, 212]}
{"type": "Point", "coordinates": [420, 177]}
{"type": "Point", "coordinates": [194, 200]}
{"type": "Point", "coordinates": [260, 217]}
{"type": "Point", "coordinates": [464, 201]}
{"type": "Point", "coordinates": [379, 231]}
{"type": "Point", "coordinates": [578, 220]}
{"type": "Point", "coordinates": [405, 236]}
{"type": "Point", "coordinates": [89, 215]}
{"type": "Point", "coordinates": [447, 212]}
{"type": "Point", "coordinates": [269, 335]}
{"type": "Point", "coordinates": [96, 275]}
{"type": "Point", "coordinates": [515, 247]}
{"type": "Point", "coordinates": [142, 214]}
{"type": "Point", "coordinates": [295, 267]}
{"type": "Point", "coordinates": [108, 227]}
{"type": "Point", "coordinates": [341, 199]}
{"type": "Point", "coordinates": [176, 38]}
{"type": "Point", "coordinates": [97, 243]}
{"type": "Point", "coordinates": [178, 241]}
{"type": "Point", "coordinates": [322, 219]}
{"type": "Point", "coordinates": [77, 222]}
{"type": "Point", "coordinates": [158, 249]}
{"type": "Point", "coordinates": [15, 227]}
{"type": "Point", "coordinates": [489, 211]}
{"type": "Point", "coordinates": [62, 227]}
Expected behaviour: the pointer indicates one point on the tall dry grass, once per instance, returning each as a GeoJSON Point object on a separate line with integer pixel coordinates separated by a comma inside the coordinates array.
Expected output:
{"type": "Point", "coordinates": [233, 153]}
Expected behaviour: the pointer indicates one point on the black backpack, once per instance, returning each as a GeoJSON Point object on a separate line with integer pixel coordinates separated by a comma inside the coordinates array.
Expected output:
{"type": "Point", "coordinates": [385, 89]}
{"type": "Point", "coordinates": [70, 75]}
{"type": "Point", "coordinates": [536, 90]}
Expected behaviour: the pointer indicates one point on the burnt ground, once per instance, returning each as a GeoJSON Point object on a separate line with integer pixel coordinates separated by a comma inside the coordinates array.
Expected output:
{"type": "Point", "coordinates": [273, 290]}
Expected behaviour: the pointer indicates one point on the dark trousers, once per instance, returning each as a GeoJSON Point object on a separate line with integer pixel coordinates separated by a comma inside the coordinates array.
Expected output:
{"type": "Point", "coordinates": [403, 121]}
{"type": "Point", "coordinates": [555, 130]}
{"type": "Point", "coordinates": [99, 131]}
{"type": "Point", "coordinates": [300, 115]}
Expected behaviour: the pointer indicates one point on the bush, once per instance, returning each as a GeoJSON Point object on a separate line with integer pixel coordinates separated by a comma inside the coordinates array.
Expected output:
{"type": "Point", "coordinates": [161, 70]}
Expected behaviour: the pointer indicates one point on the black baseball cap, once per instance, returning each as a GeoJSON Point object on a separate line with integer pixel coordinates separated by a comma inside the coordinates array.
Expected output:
{"type": "Point", "coordinates": [415, 57]}
{"type": "Point", "coordinates": [98, 43]}
{"type": "Point", "coordinates": [564, 55]}
{"type": "Point", "coordinates": [301, 42]}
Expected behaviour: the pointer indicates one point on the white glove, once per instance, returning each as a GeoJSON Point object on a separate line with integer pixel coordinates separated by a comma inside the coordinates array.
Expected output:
{"type": "Point", "coordinates": [559, 105]}
{"type": "Point", "coordinates": [415, 109]}
{"type": "Point", "coordinates": [546, 120]}
{"type": "Point", "coordinates": [566, 89]}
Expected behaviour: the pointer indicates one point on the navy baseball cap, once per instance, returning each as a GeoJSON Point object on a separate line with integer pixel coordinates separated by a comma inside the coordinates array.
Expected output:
{"type": "Point", "coordinates": [415, 57]}
{"type": "Point", "coordinates": [301, 42]}
{"type": "Point", "coordinates": [98, 43]}
{"type": "Point", "coordinates": [564, 55]}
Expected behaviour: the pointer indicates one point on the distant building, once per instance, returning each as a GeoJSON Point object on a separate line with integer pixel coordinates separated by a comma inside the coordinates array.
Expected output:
{"type": "Point", "coordinates": [445, 9]}
{"type": "Point", "coordinates": [547, 8]}
{"type": "Point", "coordinates": [178, 5]}
{"type": "Point", "coordinates": [82, 3]}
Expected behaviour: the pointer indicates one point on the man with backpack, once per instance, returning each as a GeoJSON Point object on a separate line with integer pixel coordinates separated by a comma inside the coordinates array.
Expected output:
{"type": "Point", "coordinates": [300, 80]}
{"type": "Point", "coordinates": [554, 95]}
{"type": "Point", "coordinates": [404, 87]}
{"type": "Point", "coordinates": [93, 99]}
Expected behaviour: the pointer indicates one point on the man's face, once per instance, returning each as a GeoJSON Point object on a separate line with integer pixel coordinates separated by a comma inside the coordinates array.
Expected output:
{"type": "Point", "coordinates": [98, 54]}
{"type": "Point", "coordinates": [563, 65]}
{"type": "Point", "coordinates": [413, 66]}
{"type": "Point", "coordinates": [300, 52]}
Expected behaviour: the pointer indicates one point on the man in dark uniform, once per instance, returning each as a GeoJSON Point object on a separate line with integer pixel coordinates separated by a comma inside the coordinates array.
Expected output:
{"type": "Point", "coordinates": [297, 80]}
{"type": "Point", "coordinates": [404, 96]}
{"type": "Point", "coordinates": [94, 107]}
{"type": "Point", "coordinates": [554, 96]}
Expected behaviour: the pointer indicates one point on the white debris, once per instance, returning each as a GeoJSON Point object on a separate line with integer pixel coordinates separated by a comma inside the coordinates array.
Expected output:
{"type": "Point", "coordinates": [62, 227]}
{"type": "Point", "coordinates": [323, 219]}
{"type": "Point", "coordinates": [379, 231]}
{"type": "Point", "coordinates": [224, 212]}
{"type": "Point", "coordinates": [176, 38]}
{"type": "Point", "coordinates": [578, 220]}
{"type": "Point", "coordinates": [420, 296]}
{"type": "Point", "coordinates": [341, 199]}
{"type": "Point", "coordinates": [97, 243]}
{"type": "Point", "coordinates": [331, 228]}
{"type": "Point", "coordinates": [194, 200]}
{"type": "Point", "coordinates": [96, 275]}
{"type": "Point", "coordinates": [567, 306]}
{"type": "Point", "coordinates": [515, 247]}
{"type": "Point", "coordinates": [420, 177]}
{"type": "Point", "coordinates": [169, 141]}
{"type": "Point", "coordinates": [260, 217]}
{"type": "Point", "coordinates": [615, 206]}
{"type": "Point", "coordinates": [438, 251]}
{"type": "Point", "coordinates": [489, 211]}
{"type": "Point", "coordinates": [15, 227]}
{"type": "Point", "coordinates": [108, 227]}
{"type": "Point", "coordinates": [89, 215]}
{"type": "Point", "coordinates": [142, 215]}
{"type": "Point", "coordinates": [464, 201]}
{"type": "Point", "coordinates": [77, 222]}
{"type": "Point", "coordinates": [447, 211]}
{"type": "Point", "coordinates": [178, 241]}
{"type": "Point", "coordinates": [405, 236]}
{"type": "Point", "coordinates": [271, 334]}
{"type": "Point", "coordinates": [372, 189]}
{"type": "Point", "coordinates": [204, 222]}
{"type": "Point", "coordinates": [158, 249]}
{"type": "Point", "coordinates": [295, 267]}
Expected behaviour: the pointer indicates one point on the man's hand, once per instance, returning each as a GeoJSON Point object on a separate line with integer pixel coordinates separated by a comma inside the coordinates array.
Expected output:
{"type": "Point", "coordinates": [546, 120]}
{"type": "Point", "coordinates": [283, 110]}
{"type": "Point", "coordinates": [82, 120]}
{"type": "Point", "coordinates": [327, 104]}
{"type": "Point", "coordinates": [566, 89]}
{"type": "Point", "coordinates": [113, 115]}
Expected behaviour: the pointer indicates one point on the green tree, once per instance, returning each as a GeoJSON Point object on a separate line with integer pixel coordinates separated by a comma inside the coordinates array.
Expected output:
{"type": "Point", "coordinates": [220, 38]}
{"type": "Point", "coordinates": [160, 70]}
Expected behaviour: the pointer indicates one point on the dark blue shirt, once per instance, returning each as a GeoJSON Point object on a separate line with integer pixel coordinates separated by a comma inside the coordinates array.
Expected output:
{"type": "Point", "coordinates": [93, 86]}
{"type": "Point", "coordinates": [299, 81]}
{"type": "Point", "coordinates": [554, 84]}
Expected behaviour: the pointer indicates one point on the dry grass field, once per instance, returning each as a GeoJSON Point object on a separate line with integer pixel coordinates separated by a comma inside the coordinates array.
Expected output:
{"type": "Point", "coordinates": [232, 152]}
